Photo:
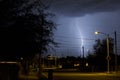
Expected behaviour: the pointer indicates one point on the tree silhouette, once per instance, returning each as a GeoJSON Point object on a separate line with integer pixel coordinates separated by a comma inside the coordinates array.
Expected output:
{"type": "Point", "coordinates": [25, 28]}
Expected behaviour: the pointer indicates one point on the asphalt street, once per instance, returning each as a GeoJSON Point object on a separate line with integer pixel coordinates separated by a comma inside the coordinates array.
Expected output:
{"type": "Point", "coordinates": [84, 76]}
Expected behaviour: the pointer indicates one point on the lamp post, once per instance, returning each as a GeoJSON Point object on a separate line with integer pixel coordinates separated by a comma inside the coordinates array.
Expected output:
{"type": "Point", "coordinates": [108, 56]}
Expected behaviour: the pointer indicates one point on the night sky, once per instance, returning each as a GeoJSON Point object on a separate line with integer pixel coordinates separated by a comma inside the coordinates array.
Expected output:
{"type": "Point", "coordinates": [78, 20]}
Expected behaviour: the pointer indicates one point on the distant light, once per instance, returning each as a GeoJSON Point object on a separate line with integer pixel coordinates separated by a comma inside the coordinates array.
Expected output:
{"type": "Point", "coordinates": [86, 64]}
{"type": "Point", "coordinates": [21, 58]}
{"type": "Point", "coordinates": [76, 65]}
{"type": "Point", "coordinates": [59, 66]}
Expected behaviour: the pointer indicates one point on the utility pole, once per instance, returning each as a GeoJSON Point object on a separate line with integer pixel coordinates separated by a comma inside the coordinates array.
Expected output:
{"type": "Point", "coordinates": [83, 58]}
{"type": "Point", "coordinates": [83, 52]}
{"type": "Point", "coordinates": [115, 50]}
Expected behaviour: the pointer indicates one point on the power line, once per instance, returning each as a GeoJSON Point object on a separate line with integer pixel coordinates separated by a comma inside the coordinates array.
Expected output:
{"type": "Point", "coordinates": [68, 43]}
{"type": "Point", "coordinates": [74, 37]}
{"type": "Point", "coordinates": [70, 46]}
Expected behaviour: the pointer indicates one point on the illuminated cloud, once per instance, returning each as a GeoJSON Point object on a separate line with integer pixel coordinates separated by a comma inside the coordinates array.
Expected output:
{"type": "Point", "coordinates": [82, 7]}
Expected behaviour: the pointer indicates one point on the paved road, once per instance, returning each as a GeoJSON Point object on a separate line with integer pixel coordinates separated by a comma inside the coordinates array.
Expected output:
{"type": "Point", "coordinates": [84, 76]}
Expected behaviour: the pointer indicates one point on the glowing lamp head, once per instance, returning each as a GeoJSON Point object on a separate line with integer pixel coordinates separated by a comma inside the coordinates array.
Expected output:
{"type": "Point", "coordinates": [97, 32]}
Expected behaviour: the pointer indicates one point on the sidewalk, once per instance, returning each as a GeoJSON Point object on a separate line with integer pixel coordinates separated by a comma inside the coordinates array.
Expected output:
{"type": "Point", "coordinates": [32, 76]}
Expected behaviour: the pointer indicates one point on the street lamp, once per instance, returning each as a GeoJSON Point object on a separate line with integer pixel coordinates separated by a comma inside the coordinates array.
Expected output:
{"type": "Point", "coordinates": [108, 56]}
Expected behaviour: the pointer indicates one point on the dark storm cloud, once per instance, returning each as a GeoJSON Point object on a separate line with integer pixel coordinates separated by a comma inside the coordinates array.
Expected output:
{"type": "Point", "coordinates": [83, 7]}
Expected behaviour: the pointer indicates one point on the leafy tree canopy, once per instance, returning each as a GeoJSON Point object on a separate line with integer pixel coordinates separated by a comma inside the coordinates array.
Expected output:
{"type": "Point", "coordinates": [25, 28]}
